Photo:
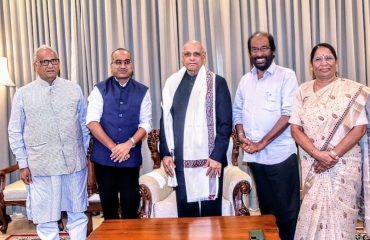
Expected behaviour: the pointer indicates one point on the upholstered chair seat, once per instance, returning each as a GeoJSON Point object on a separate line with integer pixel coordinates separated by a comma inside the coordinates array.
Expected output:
{"type": "Point", "coordinates": [164, 198]}
{"type": "Point", "coordinates": [159, 200]}
{"type": "Point", "coordinates": [15, 191]}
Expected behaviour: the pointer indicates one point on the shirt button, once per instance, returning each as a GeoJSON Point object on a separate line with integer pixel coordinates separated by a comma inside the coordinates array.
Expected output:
{"type": "Point", "coordinates": [120, 115]}
{"type": "Point", "coordinates": [121, 102]}
{"type": "Point", "coordinates": [119, 129]}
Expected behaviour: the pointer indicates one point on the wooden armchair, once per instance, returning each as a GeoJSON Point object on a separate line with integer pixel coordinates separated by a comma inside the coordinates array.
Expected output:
{"type": "Point", "coordinates": [15, 194]}
{"type": "Point", "coordinates": [11, 195]}
{"type": "Point", "coordinates": [159, 200]}
{"type": "Point", "coordinates": [92, 190]}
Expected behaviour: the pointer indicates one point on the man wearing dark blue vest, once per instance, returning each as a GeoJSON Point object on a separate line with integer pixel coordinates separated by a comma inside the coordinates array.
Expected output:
{"type": "Point", "coordinates": [119, 116]}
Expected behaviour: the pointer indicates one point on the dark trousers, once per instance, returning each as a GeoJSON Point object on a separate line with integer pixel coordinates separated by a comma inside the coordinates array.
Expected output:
{"type": "Point", "coordinates": [278, 193]}
{"type": "Point", "coordinates": [118, 180]}
{"type": "Point", "coordinates": [193, 209]}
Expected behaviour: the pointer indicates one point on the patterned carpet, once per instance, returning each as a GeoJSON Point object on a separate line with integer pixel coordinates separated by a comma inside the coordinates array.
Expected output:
{"type": "Point", "coordinates": [33, 236]}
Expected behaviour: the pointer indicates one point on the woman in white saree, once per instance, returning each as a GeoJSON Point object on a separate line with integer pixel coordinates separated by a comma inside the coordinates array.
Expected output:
{"type": "Point", "coordinates": [328, 122]}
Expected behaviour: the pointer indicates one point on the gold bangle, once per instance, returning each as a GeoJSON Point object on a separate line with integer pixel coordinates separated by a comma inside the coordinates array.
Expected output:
{"type": "Point", "coordinates": [336, 157]}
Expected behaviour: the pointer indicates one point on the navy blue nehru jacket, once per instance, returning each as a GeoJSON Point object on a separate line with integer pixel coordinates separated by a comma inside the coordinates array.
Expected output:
{"type": "Point", "coordinates": [120, 119]}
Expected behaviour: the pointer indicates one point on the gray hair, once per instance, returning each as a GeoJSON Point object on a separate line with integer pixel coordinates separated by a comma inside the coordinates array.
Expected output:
{"type": "Point", "coordinates": [194, 42]}
{"type": "Point", "coordinates": [43, 47]}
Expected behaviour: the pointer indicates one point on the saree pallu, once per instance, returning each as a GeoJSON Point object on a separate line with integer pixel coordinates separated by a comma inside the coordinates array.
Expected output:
{"type": "Point", "coordinates": [329, 209]}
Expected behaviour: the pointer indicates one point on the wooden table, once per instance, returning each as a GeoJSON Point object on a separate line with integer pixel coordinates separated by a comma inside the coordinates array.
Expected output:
{"type": "Point", "coordinates": [186, 228]}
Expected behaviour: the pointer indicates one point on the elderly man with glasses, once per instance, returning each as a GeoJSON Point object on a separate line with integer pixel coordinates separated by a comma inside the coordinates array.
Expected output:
{"type": "Point", "coordinates": [262, 107]}
{"type": "Point", "coordinates": [195, 129]}
{"type": "Point", "coordinates": [119, 116]}
{"type": "Point", "coordinates": [49, 138]}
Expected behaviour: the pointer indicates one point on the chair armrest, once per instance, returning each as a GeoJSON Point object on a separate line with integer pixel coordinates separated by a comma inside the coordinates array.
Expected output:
{"type": "Point", "coordinates": [153, 188]}
{"type": "Point", "coordinates": [3, 173]}
{"type": "Point", "coordinates": [236, 184]}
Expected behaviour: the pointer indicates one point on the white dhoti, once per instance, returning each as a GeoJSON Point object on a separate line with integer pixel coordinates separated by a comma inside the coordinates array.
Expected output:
{"type": "Point", "coordinates": [50, 195]}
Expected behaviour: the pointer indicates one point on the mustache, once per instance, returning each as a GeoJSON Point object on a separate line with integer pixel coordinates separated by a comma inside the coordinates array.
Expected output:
{"type": "Point", "coordinates": [271, 57]}
{"type": "Point", "coordinates": [262, 66]}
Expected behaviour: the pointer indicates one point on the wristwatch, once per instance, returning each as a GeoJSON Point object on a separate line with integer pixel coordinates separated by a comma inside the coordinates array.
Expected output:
{"type": "Point", "coordinates": [133, 142]}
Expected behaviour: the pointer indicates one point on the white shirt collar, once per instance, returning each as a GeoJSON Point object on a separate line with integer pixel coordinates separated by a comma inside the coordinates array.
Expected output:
{"type": "Point", "coordinates": [122, 85]}
{"type": "Point", "coordinates": [270, 70]}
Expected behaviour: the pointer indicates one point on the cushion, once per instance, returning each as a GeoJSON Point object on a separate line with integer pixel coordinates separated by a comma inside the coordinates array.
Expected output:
{"type": "Point", "coordinates": [94, 198]}
{"type": "Point", "coordinates": [227, 208]}
{"type": "Point", "coordinates": [159, 178]}
{"type": "Point", "coordinates": [158, 192]}
{"type": "Point", "coordinates": [167, 208]}
{"type": "Point", "coordinates": [15, 191]}
{"type": "Point", "coordinates": [232, 176]}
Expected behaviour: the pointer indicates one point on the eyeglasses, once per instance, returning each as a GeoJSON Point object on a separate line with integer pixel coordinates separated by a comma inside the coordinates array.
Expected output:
{"type": "Point", "coordinates": [46, 62]}
{"type": "Point", "coordinates": [326, 58]}
{"type": "Point", "coordinates": [195, 54]}
{"type": "Point", "coordinates": [263, 49]}
{"type": "Point", "coordinates": [118, 63]}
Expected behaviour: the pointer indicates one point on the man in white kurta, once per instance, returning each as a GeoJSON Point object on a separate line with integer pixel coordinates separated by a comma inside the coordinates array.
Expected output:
{"type": "Point", "coordinates": [48, 136]}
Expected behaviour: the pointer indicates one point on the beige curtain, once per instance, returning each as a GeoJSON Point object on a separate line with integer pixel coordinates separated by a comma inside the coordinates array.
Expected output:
{"type": "Point", "coordinates": [86, 32]}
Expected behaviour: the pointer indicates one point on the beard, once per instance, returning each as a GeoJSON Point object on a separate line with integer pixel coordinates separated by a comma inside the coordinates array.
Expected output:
{"type": "Point", "coordinates": [262, 65]}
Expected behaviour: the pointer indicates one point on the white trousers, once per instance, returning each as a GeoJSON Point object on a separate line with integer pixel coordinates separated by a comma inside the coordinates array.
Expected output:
{"type": "Point", "coordinates": [76, 226]}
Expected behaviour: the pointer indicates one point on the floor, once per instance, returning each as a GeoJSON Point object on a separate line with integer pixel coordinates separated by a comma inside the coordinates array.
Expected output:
{"type": "Point", "coordinates": [20, 224]}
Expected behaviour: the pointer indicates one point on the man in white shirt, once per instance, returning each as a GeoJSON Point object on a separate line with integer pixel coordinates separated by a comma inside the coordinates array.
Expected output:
{"type": "Point", "coordinates": [262, 107]}
{"type": "Point", "coordinates": [119, 116]}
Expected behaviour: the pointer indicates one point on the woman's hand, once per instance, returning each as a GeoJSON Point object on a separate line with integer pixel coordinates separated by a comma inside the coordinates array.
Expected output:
{"type": "Point", "coordinates": [324, 161]}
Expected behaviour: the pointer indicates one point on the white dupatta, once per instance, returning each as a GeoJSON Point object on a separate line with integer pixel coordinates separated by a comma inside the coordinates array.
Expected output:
{"type": "Point", "coordinates": [199, 132]}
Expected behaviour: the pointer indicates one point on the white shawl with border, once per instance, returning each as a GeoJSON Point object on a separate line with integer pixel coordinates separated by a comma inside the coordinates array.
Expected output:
{"type": "Point", "coordinates": [199, 132]}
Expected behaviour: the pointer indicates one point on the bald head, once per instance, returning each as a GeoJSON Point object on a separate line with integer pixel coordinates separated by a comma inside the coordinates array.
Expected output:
{"type": "Point", "coordinates": [193, 57]}
{"type": "Point", "coordinates": [194, 43]}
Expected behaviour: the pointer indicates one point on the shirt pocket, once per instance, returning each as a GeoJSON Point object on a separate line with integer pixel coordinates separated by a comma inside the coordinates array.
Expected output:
{"type": "Point", "coordinates": [36, 151]}
{"type": "Point", "coordinates": [271, 101]}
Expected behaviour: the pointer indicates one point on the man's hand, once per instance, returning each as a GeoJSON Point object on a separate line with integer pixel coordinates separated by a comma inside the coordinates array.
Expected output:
{"type": "Point", "coordinates": [254, 147]}
{"type": "Point", "coordinates": [245, 142]}
{"type": "Point", "coordinates": [25, 174]}
{"type": "Point", "coordinates": [121, 151]}
{"type": "Point", "coordinates": [168, 165]}
{"type": "Point", "coordinates": [214, 168]}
